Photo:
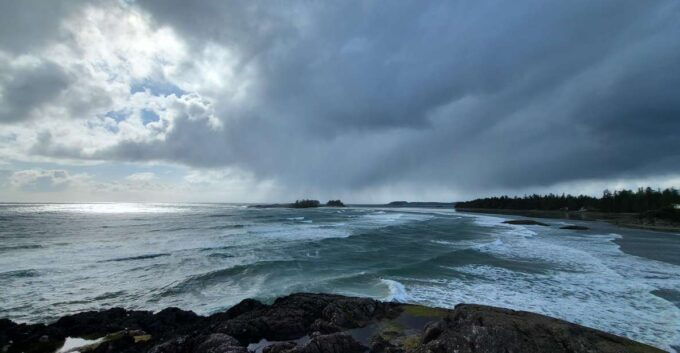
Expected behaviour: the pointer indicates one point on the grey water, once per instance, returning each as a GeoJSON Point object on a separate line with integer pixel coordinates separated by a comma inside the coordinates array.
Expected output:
{"type": "Point", "coordinates": [58, 259]}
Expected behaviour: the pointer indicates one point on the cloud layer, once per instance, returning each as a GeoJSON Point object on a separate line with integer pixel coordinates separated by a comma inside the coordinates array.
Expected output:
{"type": "Point", "coordinates": [352, 97]}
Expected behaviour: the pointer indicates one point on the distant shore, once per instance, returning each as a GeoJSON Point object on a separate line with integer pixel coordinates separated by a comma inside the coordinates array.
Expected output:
{"type": "Point", "coordinates": [338, 203]}
{"type": "Point", "coordinates": [627, 220]}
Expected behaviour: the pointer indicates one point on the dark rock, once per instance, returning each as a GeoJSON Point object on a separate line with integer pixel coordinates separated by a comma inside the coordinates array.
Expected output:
{"type": "Point", "coordinates": [333, 343]}
{"type": "Point", "coordinates": [100, 323]}
{"type": "Point", "coordinates": [529, 222]}
{"type": "Point", "coordinates": [354, 312]}
{"type": "Point", "coordinates": [478, 328]}
{"type": "Point", "coordinates": [380, 345]}
{"type": "Point", "coordinates": [245, 306]}
{"type": "Point", "coordinates": [174, 345]}
{"type": "Point", "coordinates": [287, 318]}
{"type": "Point", "coordinates": [245, 330]}
{"type": "Point", "coordinates": [219, 343]}
{"type": "Point", "coordinates": [325, 327]}
{"type": "Point", "coordinates": [174, 317]}
{"type": "Point", "coordinates": [574, 227]}
{"type": "Point", "coordinates": [432, 331]}
{"type": "Point", "coordinates": [335, 203]}
{"type": "Point", "coordinates": [280, 347]}
{"type": "Point", "coordinates": [292, 316]}
{"type": "Point", "coordinates": [168, 320]}
{"type": "Point", "coordinates": [27, 338]}
{"type": "Point", "coordinates": [5, 327]}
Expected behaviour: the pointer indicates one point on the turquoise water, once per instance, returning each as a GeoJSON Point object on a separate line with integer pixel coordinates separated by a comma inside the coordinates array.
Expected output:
{"type": "Point", "coordinates": [57, 259]}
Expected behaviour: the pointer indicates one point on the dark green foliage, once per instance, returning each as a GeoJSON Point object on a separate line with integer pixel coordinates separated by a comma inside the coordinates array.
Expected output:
{"type": "Point", "coordinates": [667, 213]}
{"type": "Point", "coordinates": [642, 200]}
{"type": "Point", "coordinates": [306, 204]}
{"type": "Point", "coordinates": [335, 203]}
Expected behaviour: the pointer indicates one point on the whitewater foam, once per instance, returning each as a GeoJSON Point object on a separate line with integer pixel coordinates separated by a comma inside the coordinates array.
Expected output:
{"type": "Point", "coordinates": [303, 228]}
{"type": "Point", "coordinates": [589, 281]}
{"type": "Point", "coordinates": [397, 291]}
{"type": "Point", "coordinates": [383, 218]}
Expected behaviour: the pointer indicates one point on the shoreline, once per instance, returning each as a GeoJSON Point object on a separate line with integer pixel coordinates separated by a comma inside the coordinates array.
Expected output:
{"type": "Point", "coordinates": [314, 323]}
{"type": "Point", "coordinates": [624, 220]}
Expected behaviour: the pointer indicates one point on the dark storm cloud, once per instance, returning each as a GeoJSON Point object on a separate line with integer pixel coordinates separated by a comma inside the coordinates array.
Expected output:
{"type": "Point", "coordinates": [29, 24]}
{"type": "Point", "coordinates": [27, 88]}
{"type": "Point", "coordinates": [466, 95]}
{"type": "Point", "coordinates": [31, 80]}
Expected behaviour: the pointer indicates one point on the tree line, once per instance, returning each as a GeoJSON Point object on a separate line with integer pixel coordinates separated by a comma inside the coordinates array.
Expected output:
{"type": "Point", "coordinates": [642, 200]}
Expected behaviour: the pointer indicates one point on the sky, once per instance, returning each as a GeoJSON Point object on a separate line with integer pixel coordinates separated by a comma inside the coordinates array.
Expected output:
{"type": "Point", "coordinates": [366, 101]}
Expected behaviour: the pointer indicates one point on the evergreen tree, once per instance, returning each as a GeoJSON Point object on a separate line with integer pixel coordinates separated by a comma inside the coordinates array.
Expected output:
{"type": "Point", "coordinates": [641, 200]}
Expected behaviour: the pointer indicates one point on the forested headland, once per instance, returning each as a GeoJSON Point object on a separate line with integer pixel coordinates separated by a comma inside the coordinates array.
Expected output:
{"type": "Point", "coordinates": [644, 201]}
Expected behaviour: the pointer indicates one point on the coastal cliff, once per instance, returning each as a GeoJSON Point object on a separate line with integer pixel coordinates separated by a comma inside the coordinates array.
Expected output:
{"type": "Point", "coordinates": [313, 323]}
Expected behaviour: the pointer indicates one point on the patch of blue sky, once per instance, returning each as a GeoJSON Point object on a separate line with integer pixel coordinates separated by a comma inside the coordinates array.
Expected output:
{"type": "Point", "coordinates": [157, 88]}
{"type": "Point", "coordinates": [149, 116]}
{"type": "Point", "coordinates": [119, 115]}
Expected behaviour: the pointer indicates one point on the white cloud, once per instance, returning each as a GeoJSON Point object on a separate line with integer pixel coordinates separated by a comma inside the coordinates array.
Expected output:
{"type": "Point", "coordinates": [143, 177]}
{"type": "Point", "coordinates": [111, 63]}
{"type": "Point", "coordinates": [38, 180]}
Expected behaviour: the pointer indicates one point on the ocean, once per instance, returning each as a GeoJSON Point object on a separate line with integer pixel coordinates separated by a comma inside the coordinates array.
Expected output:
{"type": "Point", "coordinates": [58, 259]}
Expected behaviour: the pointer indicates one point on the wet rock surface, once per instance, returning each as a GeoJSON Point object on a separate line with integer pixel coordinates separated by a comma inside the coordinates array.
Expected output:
{"type": "Point", "coordinates": [574, 227]}
{"type": "Point", "coordinates": [529, 222]}
{"type": "Point", "coordinates": [315, 323]}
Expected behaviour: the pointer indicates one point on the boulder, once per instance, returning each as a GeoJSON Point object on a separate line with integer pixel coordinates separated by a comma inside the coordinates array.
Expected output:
{"type": "Point", "coordinates": [354, 312]}
{"type": "Point", "coordinates": [529, 222]}
{"type": "Point", "coordinates": [219, 343]}
{"type": "Point", "coordinates": [574, 227]}
{"type": "Point", "coordinates": [174, 345]}
{"type": "Point", "coordinates": [484, 329]}
{"type": "Point", "coordinates": [279, 347]}
{"type": "Point", "coordinates": [333, 343]}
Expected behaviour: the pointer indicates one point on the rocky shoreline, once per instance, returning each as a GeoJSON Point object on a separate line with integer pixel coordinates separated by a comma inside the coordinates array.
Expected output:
{"type": "Point", "coordinates": [313, 323]}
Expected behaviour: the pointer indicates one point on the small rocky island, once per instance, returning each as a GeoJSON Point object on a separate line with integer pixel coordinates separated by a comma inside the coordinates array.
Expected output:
{"type": "Point", "coordinates": [313, 323]}
{"type": "Point", "coordinates": [305, 204]}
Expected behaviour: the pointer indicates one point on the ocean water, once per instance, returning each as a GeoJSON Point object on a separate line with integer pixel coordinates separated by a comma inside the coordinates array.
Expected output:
{"type": "Point", "coordinates": [57, 259]}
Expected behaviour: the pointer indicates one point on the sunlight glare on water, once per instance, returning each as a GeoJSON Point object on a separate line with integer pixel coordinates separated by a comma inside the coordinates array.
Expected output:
{"type": "Point", "coordinates": [100, 208]}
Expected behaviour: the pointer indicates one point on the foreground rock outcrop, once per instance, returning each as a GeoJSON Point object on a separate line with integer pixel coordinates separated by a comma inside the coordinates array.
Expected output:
{"type": "Point", "coordinates": [313, 323]}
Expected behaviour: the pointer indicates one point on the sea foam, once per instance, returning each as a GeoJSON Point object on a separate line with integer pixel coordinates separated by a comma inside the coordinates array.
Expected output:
{"type": "Point", "coordinates": [397, 291]}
